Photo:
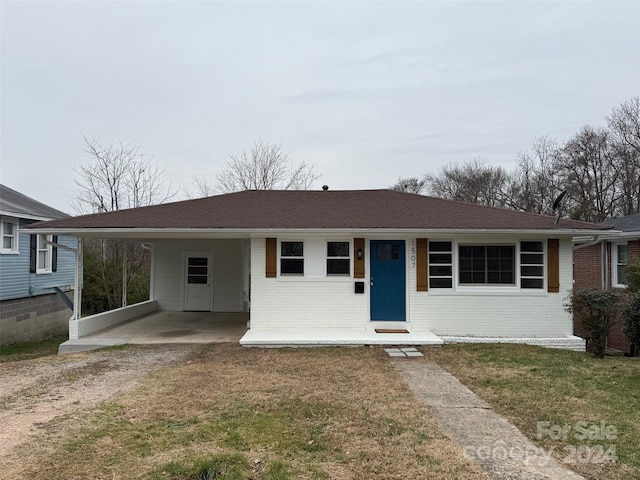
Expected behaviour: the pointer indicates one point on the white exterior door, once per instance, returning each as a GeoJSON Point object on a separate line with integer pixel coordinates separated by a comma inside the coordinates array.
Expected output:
{"type": "Point", "coordinates": [198, 287]}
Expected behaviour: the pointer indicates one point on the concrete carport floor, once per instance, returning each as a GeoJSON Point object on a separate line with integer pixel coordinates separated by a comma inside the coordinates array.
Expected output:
{"type": "Point", "coordinates": [166, 327]}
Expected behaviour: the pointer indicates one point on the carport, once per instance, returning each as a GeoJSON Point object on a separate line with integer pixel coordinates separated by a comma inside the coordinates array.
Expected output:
{"type": "Point", "coordinates": [165, 327]}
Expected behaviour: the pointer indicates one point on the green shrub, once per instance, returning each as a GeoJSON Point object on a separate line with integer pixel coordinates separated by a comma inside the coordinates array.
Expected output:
{"type": "Point", "coordinates": [633, 275]}
{"type": "Point", "coordinates": [631, 316]}
{"type": "Point", "coordinates": [596, 309]}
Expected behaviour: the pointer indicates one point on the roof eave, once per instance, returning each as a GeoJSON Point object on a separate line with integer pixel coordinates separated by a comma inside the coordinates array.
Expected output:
{"type": "Point", "coordinates": [148, 233]}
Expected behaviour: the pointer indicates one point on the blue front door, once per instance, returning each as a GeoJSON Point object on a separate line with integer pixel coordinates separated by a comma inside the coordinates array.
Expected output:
{"type": "Point", "coordinates": [388, 280]}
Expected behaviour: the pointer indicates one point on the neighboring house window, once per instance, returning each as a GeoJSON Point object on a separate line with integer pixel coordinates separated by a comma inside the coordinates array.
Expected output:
{"type": "Point", "coordinates": [9, 233]}
{"type": "Point", "coordinates": [440, 265]}
{"type": "Point", "coordinates": [338, 258]}
{"type": "Point", "coordinates": [43, 255]}
{"type": "Point", "coordinates": [620, 257]}
{"type": "Point", "coordinates": [487, 264]}
{"type": "Point", "coordinates": [531, 265]}
{"type": "Point", "coordinates": [291, 258]}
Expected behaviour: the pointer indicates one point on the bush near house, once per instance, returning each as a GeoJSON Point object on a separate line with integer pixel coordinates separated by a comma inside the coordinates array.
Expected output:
{"type": "Point", "coordinates": [597, 310]}
{"type": "Point", "coordinates": [631, 314]}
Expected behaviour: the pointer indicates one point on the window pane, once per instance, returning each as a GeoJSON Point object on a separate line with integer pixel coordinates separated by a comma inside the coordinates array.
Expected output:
{"type": "Point", "coordinates": [337, 249]}
{"type": "Point", "coordinates": [199, 261]}
{"type": "Point", "coordinates": [440, 258]}
{"type": "Point", "coordinates": [622, 274]}
{"type": "Point", "coordinates": [532, 283]}
{"type": "Point", "coordinates": [439, 246]}
{"type": "Point", "coordinates": [532, 258]}
{"type": "Point", "coordinates": [42, 260]}
{"type": "Point", "coordinates": [532, 271]}
{"type": "Point", "coordinates": [7, 243]}
{"type": "Point", "coordinates": [197, 279]}
{"type": "Point", "coordinates": [291, 249]}
{"type": "Point", "coordinates": [440, 283]}
{"type": "Point", "coordinates": [291, 266]}
{"type": "Point", "coordinates": [465, 277]}
{"type": "Point", "coordinates": [440, 270]}
{"type": "Point", "coordinates": [622, 253]}
{"type": "Point", "coordinates": [337, 266]}
{"type": "Point", "coordinates": [477, 277]}
{"type": "Point", "coordinates": [531, 247]}
{"type": "Point", "coordinates": [197, 270]}
{"type": "Point", "coordinates": [7, 228]}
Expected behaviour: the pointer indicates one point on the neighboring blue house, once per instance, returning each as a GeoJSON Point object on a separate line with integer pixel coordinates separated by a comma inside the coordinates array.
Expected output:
{"type": "Point", "coordinates": [31, 270]}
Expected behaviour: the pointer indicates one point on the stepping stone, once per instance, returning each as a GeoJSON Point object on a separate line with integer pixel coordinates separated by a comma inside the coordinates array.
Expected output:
{"type": "Point", "coordinates": [414, 354]}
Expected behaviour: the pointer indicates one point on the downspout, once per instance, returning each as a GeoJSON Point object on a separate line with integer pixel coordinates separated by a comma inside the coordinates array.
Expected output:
{"type": "Point", "coordinates": [605, 265]}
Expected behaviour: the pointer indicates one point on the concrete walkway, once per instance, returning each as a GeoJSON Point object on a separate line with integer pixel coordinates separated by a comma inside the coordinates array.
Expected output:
{"type": "Point", "coordinates": [486, 437]}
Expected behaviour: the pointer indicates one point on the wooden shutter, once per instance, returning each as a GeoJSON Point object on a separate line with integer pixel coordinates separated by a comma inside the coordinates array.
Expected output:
{"type": "Point", "coordinates": [553, 265]}
{"type": "Point", "coordinates": [271, 257]}
{"type": "Point", "coordinates": [54, 254]}
{"type": "Point", "coordinates": [422, 265]}
{"type": "Point", "coordinates": [358, 265]}
{"type": "Point", "coordinates": [33, 252]}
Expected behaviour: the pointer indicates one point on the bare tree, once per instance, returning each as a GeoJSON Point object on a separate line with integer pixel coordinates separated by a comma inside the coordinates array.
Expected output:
{"type": "Point", "coordinates": [474, 182]}
{"type": "Point", "coordinates": [116, 176]}
{"type": "Point", "coordinates": [536, 181]}
{"type": "Point", "coordinates": [590, 173]}
{"type": "Point", "coordinates": [624, 125]}
{"type": "Point", "coordinates": [265, 166]}
{"type": "Point", "coordinates": [410, 185]}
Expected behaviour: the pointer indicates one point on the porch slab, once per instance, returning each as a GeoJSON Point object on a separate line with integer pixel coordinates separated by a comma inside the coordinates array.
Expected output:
{"type": "Point", "coordinates": [326, 338]}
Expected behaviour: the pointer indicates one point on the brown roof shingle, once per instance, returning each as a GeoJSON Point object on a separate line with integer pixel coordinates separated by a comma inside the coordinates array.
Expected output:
{"type": "Point", "coordinates": [339, 209]}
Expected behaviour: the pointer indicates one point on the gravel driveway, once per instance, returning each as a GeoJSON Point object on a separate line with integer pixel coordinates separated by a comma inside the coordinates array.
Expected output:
{"type": "Point", "coordinates": [35, 393]}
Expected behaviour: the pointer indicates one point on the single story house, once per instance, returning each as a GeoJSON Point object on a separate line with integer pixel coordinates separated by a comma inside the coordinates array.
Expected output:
{"type": "Point", "coordinates": [602, 264]}
{"type": "Point", "coordinates": [350, 267]}
{"type": "Point", "coordinates": [32, 269]}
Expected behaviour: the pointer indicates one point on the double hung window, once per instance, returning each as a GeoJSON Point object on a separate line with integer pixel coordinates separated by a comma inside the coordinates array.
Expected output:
{"type": "Point", "coordinates": [292, 258]}
{"type": "Point", "coordinates": [338, 258]}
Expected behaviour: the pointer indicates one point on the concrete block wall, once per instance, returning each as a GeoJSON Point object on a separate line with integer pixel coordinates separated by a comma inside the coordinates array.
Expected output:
{"type": "Point", "coordinates": [33, 318]}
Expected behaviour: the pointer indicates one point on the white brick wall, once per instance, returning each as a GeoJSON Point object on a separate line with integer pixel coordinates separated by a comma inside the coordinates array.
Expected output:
{"type": "Point", "coordinates": [318, 302]}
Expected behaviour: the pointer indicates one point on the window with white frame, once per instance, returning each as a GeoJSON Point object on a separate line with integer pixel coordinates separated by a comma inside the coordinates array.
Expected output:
{"type": "Point", "coordinates": [531, 265]}
{"type": "Point", "coordinates": [9, 234]}
{"type": "Point", "coordinates": [440, 265]}
{"type": "Point", "coordinates": [291, 258]}
{"type": "Point", "coordinates": [620, 258]}
{"type": "Point", "coordinates": [43, 255]}
{"type": "Point", "coordinates": [486, 264]}
{"type": "Point", "coordinates": [338, 258]}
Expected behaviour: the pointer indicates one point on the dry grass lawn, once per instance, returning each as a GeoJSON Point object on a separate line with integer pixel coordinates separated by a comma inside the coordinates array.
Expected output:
{"type": "Point", "coordinates": [228, 412]}
{"type": "Point", "coordinates": [533, 384]}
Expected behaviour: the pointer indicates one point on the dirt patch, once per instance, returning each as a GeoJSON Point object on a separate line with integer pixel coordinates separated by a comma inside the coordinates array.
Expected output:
{"type": "Point", "coordinates": [35, 393]}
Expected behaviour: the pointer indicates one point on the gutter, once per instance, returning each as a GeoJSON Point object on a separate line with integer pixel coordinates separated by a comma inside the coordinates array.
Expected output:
{"type": "Point", "coordinates": [261, 232]}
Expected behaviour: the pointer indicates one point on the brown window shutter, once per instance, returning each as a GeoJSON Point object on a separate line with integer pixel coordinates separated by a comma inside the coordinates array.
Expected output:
{"type": "Point", "coordinates": [553, 265]}
{"type": "Point", "coordinates": [272, 258]}
{"type": "Point", "coordinates": [422, 265]}
{"type": "Point", "coordinates": [358, 264]}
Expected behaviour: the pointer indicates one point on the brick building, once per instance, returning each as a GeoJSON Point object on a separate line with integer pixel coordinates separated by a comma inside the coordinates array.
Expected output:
{"type": "Point", "coordinates": [602, 265]}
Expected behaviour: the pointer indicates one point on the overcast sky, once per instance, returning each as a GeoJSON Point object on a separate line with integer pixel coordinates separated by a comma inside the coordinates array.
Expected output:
{"type": "Point", "coordinates": [365, 91]}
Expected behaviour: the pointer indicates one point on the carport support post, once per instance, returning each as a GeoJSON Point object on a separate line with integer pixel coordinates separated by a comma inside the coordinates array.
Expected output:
{"type": "Point", "coordinates": [125, 249]}
{"type": "Point", "coordinates": [77, 294]}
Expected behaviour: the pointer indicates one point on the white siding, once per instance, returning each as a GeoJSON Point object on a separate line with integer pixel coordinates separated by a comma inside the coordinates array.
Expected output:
{"type": "Point", "coordinates": [168, 281]}
{"type": "Point", "coordinates": [316, 301]}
